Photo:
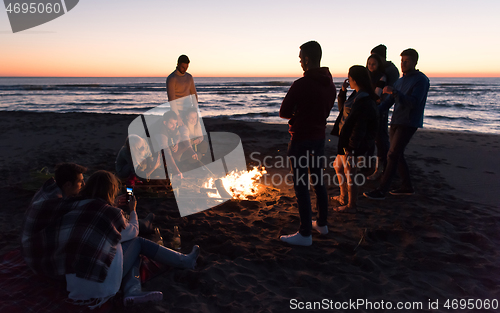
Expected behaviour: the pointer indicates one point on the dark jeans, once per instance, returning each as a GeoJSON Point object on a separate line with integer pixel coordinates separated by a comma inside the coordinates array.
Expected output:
{"type": "Point", "coordinates": [309, 156]}
{"type": "Point", "coordinates": [133, 248]}
{"type": "Point", "coordinates": [400, 137]}
{"type": "Point", "coordinates": [382, 138]}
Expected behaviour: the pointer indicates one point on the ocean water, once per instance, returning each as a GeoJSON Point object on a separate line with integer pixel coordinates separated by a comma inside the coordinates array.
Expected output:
{"type": "Point", "coordinates": [464, 104]}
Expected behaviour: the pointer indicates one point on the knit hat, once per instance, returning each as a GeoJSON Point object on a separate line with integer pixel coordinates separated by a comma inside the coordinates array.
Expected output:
{"type": "Point", "coordinates": [380, 50]}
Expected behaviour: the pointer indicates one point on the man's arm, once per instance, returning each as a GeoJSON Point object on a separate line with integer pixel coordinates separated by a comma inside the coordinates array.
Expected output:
{"type": "Point", "coordinates": [169, 159]}
{"type": "Point", "coordinates": [290, 103]}
{"type": "Point", "coordinates": [192, 89]}
{"type": "Point", "coordinates": [184, 137]}
{"type": "Point", "coordinates": [417, 95]}
{"type": "Point", "coordinates": [388, 102]}
{"type": "Point", "coordinates": [170, 88]}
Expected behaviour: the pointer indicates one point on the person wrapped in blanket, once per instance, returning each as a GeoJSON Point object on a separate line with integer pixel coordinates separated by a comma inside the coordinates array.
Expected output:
{"type": "Point", "coordinates": [84, 239]}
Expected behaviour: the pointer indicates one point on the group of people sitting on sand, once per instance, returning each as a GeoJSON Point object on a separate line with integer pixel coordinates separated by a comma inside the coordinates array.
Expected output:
{"type": "Point", "coordinates": [76, 230]}
{"type": "Point", "coordinates": [183, 143]}
{"type": "Point", "coordinates": [86, 233]}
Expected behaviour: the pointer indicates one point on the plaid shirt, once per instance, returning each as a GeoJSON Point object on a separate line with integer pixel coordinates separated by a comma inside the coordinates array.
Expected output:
{"type": "Point", "coordinates": [63, 236]}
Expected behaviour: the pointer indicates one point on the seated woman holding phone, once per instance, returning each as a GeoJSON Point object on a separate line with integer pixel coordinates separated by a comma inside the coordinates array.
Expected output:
{"type": "Point", "coordinates": [98, 250]}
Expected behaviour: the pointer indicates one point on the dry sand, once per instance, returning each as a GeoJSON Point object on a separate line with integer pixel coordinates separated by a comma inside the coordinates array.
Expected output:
{"type": "Point", "coordinates": [441, 243]}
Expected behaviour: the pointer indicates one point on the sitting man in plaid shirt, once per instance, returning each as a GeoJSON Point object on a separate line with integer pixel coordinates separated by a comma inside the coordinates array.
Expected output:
{"type": "Point", "coordinates": [67, 183]}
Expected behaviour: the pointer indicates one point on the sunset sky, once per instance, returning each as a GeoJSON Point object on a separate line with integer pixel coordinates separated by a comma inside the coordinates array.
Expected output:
{"type": "Point", "coordinates": [254, 38]}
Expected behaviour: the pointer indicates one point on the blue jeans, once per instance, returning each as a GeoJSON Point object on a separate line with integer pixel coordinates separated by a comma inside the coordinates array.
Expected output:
{"type": "Point", "coordinates": [399, 137]}
{"type": "Point", "coordinates": [308, 157]}
{"type": "Point", "coordinates": [135, 247]}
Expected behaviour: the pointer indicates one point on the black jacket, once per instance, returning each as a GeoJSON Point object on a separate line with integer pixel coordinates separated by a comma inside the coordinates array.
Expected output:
{"type": "Point", "coordinates": [360, 127]}
{"type": "Point", "coordinates": [308, 104]}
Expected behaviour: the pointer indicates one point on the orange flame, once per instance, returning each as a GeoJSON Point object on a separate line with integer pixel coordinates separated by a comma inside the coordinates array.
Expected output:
{"type": "Point", "coordinates": [240, 185]}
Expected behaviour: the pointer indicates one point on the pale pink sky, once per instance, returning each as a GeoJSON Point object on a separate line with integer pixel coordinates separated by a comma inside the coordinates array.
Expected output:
{"type": "Point", "coordinates": [257, 38]}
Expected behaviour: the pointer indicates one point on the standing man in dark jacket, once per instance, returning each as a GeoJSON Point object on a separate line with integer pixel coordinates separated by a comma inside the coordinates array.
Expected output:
{"type": "Point", "coordinates": [307, 105]}
{"type": "Point", "coordinates": [409, 95]}
{"type": "Point", "coordinates": [382, 136]}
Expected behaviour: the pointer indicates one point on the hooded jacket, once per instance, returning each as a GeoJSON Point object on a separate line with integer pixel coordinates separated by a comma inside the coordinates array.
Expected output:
{"type": "Point", "coordinates": [409, 98]}
{"type": "Point", "coordinates": [357, 132]}
{"type": "Point", "coordinates": [308, 103]}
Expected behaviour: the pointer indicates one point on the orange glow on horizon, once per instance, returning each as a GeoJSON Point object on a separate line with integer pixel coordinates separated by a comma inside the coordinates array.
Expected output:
{"type": "Point", "coordinates": [266, 75]}
{"type": "Point", "coordinates": [81, 71]}
{"type": "Point", "coordinates": [438, 74]}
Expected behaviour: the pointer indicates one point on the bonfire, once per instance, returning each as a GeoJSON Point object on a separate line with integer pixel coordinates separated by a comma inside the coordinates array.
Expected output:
{"type": "Point", "coordinates": [238, 184]}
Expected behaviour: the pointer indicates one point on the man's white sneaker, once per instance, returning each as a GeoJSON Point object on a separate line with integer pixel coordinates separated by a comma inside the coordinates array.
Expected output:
{"type": "Point", "coordinates": [297, 239]}
{"type": "Point", "coordinates": [323, 230]}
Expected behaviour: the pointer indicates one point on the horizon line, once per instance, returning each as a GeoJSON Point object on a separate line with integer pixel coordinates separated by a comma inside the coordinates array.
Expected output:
{"type": "Point", "coordinates": [437, 75]}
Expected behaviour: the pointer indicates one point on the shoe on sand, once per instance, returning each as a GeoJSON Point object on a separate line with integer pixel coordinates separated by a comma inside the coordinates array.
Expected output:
{"type": "Point", "coordinates": [374, 195]}
{"type": "Point", "coordinates": [376, 175]}
{"type": "Point", "coordinates": [323, 230]}
{"type": "Point", "coordinates": [297, 239]}
{"type": "Point", "coordinates": [402, 192]}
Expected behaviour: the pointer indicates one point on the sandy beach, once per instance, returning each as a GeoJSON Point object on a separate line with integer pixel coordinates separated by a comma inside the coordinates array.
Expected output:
{"type": "Point", "coordinates": [442, 243]}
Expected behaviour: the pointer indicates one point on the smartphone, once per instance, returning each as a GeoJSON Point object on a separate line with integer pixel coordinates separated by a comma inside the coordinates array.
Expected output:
{"type": "Point", "coordinates": [130, 193]}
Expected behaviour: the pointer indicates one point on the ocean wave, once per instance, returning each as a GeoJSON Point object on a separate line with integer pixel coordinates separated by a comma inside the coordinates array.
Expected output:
{"type": "Point", "coordinates": [447, 104]}
{"type": "Point", "coordinates": [462, 103]}
{"type": "Point", "coordinates": [259, 114]}
{"type": "Point", "coordinates": [262, 84]}
{"type": "Point", "coordinates": [451, 118]}
{"type": "Point", "coordinates": [455, 84]}
{"type": "Point", "coordinates": [59, 87]}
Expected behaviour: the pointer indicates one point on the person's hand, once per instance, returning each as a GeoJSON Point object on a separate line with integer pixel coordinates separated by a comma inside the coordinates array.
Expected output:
{"type": "Point", "coordinates": [158, 163]}
{"type": "Point", "coordinates": [388, 90]}
{"type": "Point", "coordinates": [345, 84]}
{"type": "Point", "coordinates": [195, 156]}
{"type": "Point", "coordinates": [121, 200]}
{"type": "Point", "coordinates": [180, 122]}
{"type": "Point", "coordinates": [177, 177]}
{"type": "Point", "coordinates": [132, 204]}
{"type": "Point", "coordinates": [175, 148]}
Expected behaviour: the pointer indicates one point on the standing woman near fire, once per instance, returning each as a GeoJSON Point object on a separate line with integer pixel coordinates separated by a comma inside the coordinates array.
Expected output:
{"type": "Point", "coordinates": [376, 69]}
{"type": "Point", "coordinates": [355, 126]}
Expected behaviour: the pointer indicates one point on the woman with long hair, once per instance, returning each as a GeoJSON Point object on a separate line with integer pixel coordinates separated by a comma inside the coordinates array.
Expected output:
{"type": "Point", "coordinates": [375, 67]}
{"type": "Point", "coordinates": [195, 132]}
{"type": "Point", "coordinates": [105, 249]}
{"type": "Point", "coordinates": [355, 126]}
{"type": "Point", "coordinates": [136, 148]}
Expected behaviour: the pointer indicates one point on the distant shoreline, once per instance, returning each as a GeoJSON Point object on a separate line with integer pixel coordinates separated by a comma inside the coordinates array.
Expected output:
{"type": "Point", "coordinates": [194, 76]}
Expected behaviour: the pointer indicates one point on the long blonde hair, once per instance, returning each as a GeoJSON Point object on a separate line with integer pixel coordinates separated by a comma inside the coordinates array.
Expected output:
{"type": "Point", "coordinates": [101, 185]}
